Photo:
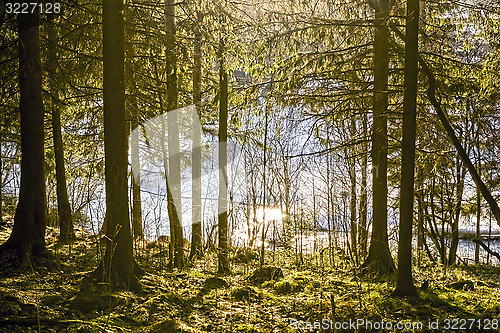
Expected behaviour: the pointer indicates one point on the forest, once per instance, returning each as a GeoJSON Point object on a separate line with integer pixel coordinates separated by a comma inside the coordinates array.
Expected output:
{"type": "Point", "coordinates": [249, 166]}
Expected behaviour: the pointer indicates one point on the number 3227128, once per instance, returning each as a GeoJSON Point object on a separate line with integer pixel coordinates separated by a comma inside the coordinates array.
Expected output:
{"type": "Point", "coordinates": [31, 7]}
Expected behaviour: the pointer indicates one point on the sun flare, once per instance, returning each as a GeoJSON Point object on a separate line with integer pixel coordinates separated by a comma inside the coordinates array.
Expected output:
{"type": "Point", "coordinates": [269, 214]}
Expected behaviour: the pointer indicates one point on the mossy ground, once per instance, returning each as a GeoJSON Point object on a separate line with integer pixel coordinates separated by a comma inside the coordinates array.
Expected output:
{"type": "Point", "coordinates": [48, 299]}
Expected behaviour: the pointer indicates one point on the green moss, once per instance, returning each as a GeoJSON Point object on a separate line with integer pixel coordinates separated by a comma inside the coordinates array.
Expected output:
{"type": "Point", "coordinates": [244, 293]}
{"type": "Point", "coordinates": [177, 301]}
{"type": "Point", "coordinates": [248, 328]}
{"type": "Point", "coordinates": [288, 286]}
{"type": "Point", "coordinates": [268, 284]}
{"type": "Point", "coordinates": [283, 287]}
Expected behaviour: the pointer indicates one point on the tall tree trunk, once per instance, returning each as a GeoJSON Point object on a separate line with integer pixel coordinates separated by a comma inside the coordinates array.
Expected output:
{"type": "Point", "coordinates": [379, 260]}
{"type": "Point", "coordinates": [437, 237]}
{"type": "Point", "coordinates": [329, 203]}
{"type": "Point", "coordinates": [254, 212]}
{"type": "Point", "coordinates": [196, 246]}
{"type": "Point", "coordinates": [28, 233]}
{"type": "Point", "coordinates": [137, 230]}
{"type": "Point", "coordinates": [478, 212]}
{"type": "Point", "coordinates": [363, 200]}
{"type": "Point", "coordinates": [264, 190]}
{"type": "Point", "coordinates": [133, 111]}
{"type": "Point", "coordinates": [172, 213]}
{"type": "Point", "coordinates": [419, 194]}
{"type": "Point", "coordinates": [174, 165]}
{"type": "Point", "coordinates": [66, 231]}
{"type": "Point", "coordinates": [1, 170]}
{"type": "Point", "coordinates": [286, 218]}
{"type": "Point", "coordinates": [222, 202]}
{"type": "Point", "coordinates": [404, 282]}
{"type": "Point", "coordinates": [118, 267]}
{"type": "Point", "coordinates": [353, 197]}
{"type": "Point", "coordinates": [456, 216]}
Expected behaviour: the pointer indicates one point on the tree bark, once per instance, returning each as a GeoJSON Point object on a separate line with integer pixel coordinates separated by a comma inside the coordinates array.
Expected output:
{"type": "Point", "coordinates": [28, 233]}
{"type": "Point", "coordinates": [404, 282]}
{"type": "Point", "coordinates": [118, 267]}
{"type": "Point", "coordinates": [379, 260]}
{"type": "Point", "coordinates": [196, 245]}
{"type": "Point", "coordinates": [174, 165]}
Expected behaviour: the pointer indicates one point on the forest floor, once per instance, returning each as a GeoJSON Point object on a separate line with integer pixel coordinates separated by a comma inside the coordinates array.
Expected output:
{"type": "Point", "coordinates": [49, 299]}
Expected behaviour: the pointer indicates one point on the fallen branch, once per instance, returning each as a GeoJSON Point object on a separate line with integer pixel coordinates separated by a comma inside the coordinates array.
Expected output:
{"type": "Point", "coordinates": [431, 95]}
{"type": "Point", "coordinates": [486, 248]}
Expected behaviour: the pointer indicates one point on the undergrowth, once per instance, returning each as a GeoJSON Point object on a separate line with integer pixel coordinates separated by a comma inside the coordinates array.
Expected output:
{"type": "Point", "coordinates": [48, 299]}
